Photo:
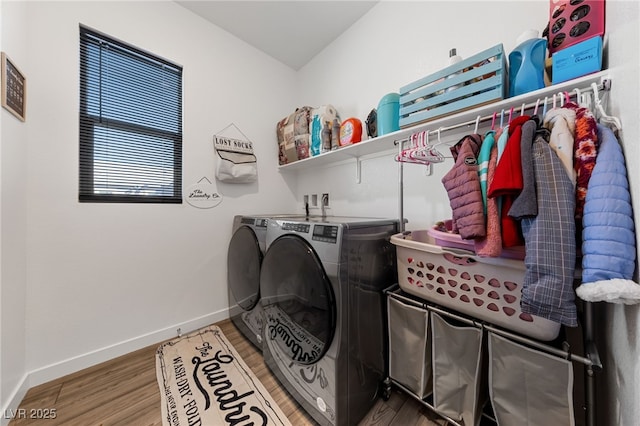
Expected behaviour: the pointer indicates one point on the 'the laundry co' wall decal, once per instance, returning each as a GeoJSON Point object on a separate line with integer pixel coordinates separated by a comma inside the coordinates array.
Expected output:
{"type": "Point", "coordinates": [203, 195]}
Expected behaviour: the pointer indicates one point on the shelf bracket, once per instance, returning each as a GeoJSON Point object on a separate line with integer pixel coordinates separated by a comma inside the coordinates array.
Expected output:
{"type": "Point", "coordinates": [358, 170]}
{"type": "Point", "coordinates": [428, 171]}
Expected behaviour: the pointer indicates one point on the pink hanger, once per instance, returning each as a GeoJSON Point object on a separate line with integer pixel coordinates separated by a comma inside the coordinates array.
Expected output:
{"type": "Point", "coordinates": [417, 143]}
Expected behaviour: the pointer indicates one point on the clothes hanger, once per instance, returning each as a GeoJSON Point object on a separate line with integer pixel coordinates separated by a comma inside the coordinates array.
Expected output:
{"type": "Point", "coordinates": [419, 143]}
{"type": "Point", "coordinates": [610, 121]}
{"type": "Point", "coordinates": [522, 109]}
{"type": "Point", "coordinates": [408, 155]}
{"type": "Point", "coordinates": [440, 142]}
{"type": "Point", "coordinates": [582, 99]}
{"type": "Point", "coordinates": [475, 130]}
{"type": "Point", "coordinates": [414, 140]}
{"type": "Point", "coordinates": [535, 109]}
{"type": "Point", "coordinates": [403, 152]}
{"type": "Point", "coordinates": [578, 96]}
{"type": "Point", "coordinates": [429, 152]}
{"type": "Point", "coordinates": [544, 107]}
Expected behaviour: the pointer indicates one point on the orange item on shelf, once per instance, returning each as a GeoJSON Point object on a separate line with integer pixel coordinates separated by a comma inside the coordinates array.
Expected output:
{"type": "Point", "coordinates": [350, 131]}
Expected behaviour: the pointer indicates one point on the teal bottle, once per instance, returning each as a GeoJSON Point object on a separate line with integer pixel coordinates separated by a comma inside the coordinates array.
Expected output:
{"type": "Point", "coordinates": [526, 64]}
{"type": "Point", "coordinates": [389, 114]}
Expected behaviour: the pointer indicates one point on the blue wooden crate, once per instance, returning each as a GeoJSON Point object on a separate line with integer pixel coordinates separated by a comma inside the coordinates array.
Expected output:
{"type": "Point", "coordinates": [477, 80]}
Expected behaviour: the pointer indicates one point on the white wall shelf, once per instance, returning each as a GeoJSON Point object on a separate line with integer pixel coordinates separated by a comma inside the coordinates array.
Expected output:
{"type": "Point", "coordinates": [386, 142]}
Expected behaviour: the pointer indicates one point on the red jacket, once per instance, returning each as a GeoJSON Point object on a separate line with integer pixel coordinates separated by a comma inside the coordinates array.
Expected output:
{"type": "Point", "coordinates": [507, 182]}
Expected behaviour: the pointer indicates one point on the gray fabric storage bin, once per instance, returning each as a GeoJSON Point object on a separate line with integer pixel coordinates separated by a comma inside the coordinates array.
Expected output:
{"type": "Point", "coordinates": [529, 387]}
{"type": "Point", "coordinates": [459, 385]}
{"type": "Point", "coordinates": [409, 346]}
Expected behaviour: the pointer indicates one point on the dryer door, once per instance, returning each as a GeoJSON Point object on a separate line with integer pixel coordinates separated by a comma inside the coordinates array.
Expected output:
{"type": "Point", "coordinates": [243, 268]}
{"type": "Point", "coordinates": [297, 300]}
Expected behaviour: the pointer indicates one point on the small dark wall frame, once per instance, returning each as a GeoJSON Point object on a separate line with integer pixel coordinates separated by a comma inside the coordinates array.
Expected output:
{"type": "Point", "coordinates": [14, 88]}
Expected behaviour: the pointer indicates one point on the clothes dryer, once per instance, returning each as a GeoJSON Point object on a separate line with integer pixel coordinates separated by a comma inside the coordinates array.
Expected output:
{"type": "Point", "coordinates": [244, 259]}
{"type": "Point", "coordinates": [321, 285]}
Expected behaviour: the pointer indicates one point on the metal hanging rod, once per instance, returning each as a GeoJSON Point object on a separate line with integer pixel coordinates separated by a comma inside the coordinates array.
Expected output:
{"type": "Point", "coordinates": [605, 85]}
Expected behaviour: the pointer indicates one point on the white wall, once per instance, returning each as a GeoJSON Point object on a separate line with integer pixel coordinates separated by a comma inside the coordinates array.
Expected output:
{"type": "Point", "coordinates": [82, 282]}
{"type": "Point", "coordinates": [13, 214]}
{"type": "Point", "coordinates": [104, 279]}
{"type": "Point", "coordinates": [399, 42]}
{"type": "Point", "coordinates": [396, 43]}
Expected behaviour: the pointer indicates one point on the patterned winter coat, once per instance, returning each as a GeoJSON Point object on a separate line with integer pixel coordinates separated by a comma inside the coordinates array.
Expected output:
{"type": "Point", "coordinates": [550, 235]}
{"type": "Point", "coordinates": [463, 188]}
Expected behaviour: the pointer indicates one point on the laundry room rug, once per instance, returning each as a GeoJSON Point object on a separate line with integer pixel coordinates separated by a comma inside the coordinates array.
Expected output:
{"type": "Point", "coordinates": [204, 382]}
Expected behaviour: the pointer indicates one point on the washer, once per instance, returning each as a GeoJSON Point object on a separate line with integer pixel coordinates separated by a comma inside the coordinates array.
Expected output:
{"type": "Point", "coordinates": [321, 285]}
{"type": "Point", "coordinates": [244, 259]}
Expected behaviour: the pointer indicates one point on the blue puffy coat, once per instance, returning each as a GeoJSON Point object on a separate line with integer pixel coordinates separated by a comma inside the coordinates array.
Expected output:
{"type": "Point", "coordinates": [609, 242]}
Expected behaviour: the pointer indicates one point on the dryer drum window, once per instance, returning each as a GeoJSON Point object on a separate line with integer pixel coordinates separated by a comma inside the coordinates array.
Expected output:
{"type": "Point", "coordinates": [243, 268]}
{"type": "Point", "coordinates": [297, 300]}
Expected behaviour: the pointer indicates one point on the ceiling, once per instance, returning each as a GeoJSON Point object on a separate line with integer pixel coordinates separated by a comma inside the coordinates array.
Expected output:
{"type": "Point", "coordinates": [293, 32]}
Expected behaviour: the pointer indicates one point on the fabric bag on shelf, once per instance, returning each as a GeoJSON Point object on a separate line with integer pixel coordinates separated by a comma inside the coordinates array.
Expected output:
{"type": "Point", "coordinates": [235, 161]}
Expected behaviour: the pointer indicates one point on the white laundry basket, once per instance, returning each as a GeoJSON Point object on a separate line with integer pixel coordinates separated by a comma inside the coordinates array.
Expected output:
{"type": "Point", "coordinates": [486, 288]}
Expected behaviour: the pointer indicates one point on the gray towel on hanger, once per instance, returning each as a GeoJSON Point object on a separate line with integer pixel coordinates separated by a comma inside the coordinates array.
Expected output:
{"type": "Point", "coordinates": [526, 204]}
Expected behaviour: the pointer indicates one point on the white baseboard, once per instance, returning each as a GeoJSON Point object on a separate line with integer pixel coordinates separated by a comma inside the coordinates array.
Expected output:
{"type": "Point", "coordinates": [62, 368]}
{"type": "Point", "coordinates": [11, 409]}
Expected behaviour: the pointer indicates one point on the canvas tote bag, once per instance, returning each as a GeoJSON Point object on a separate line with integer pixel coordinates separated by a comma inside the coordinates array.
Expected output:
{"type": "Point", "coordinates": [235, 160]}
{"type": "Point", "coordinates": [409, 347]}
{"type": "Point", "coordinates": [459, 385]}
{"type": "Point", "coordinates": [529, 387]}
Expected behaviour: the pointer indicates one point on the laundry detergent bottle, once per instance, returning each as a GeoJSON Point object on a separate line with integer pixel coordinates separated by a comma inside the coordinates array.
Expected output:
{"type": "Point", "coordinates": [526, 64]}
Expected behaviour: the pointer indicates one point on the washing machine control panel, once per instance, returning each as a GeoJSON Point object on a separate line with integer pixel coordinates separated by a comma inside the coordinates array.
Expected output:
{"type": "Point", "coordinates": [297, 227]}
{"type": "Point", "coordinates": [259, 222]}
{"type": "Point", "coordinates": [325, 233]}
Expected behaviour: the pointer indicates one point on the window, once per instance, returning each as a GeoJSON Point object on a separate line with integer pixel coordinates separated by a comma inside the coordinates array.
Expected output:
{"type": "Point", "coordinates": [130, 124]}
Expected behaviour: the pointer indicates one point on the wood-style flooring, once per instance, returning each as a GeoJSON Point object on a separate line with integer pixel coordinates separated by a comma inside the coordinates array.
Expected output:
{"type": "Point", "coordinates": [124, 391]}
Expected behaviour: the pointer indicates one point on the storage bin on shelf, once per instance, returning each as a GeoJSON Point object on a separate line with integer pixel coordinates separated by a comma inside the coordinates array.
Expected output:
{"type": "Point", "coordinates": [477, 80]}
{"type": "Point", "coordinates": [488, 289]}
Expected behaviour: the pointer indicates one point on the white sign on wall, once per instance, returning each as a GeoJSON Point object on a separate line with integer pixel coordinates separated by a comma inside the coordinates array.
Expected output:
{"type": "Point", "coordinates": [203, 195]}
